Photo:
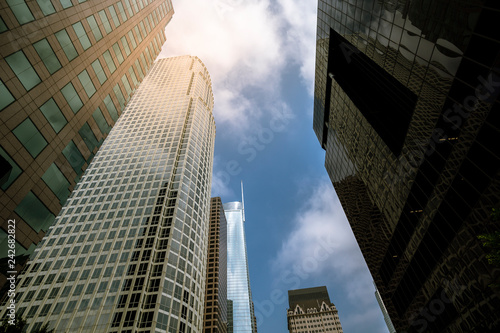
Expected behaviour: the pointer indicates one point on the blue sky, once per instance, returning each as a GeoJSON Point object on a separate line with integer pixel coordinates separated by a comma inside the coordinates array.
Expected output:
{"type": "Point", "coordinates": [260, 55]}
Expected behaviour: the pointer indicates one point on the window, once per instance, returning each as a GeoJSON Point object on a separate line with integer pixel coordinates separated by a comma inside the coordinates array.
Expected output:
{"type": "Point", "coordinates": [94, 27]}
{"type": "Point", "coordinates": [3, 27]}
{"type": "Point", "coordinates": [105, 21]}
{"type": "Point", "coordinates": [5, 96]}
{"type": "Point", "coordinates": [122, 11]}
{"type": "Point", "coordinates": [114, 16]}
{"type": "Point", "coordinates": [126, 84]}
{"type": "Point", "coordinates": [99, 72]}
{"type": "Point", "coordinates": [119, 96]}
{"type": "Point", "coordinates": [23, 70]}
{"type": "Point", "coordinates": [47, 55]}
{"type": "Point", "coordinates": [66, 3]}
{"type": "Point", "coordinates": [101, 121]}
{"type": "Point", "coordinates": [46, 7]}
{"type": "Point", "coordinates": [12, 170]}
{"type": "Point", "coordinates": [66, 44]}
{"type": "Point", "coordinates": [132, 39]}
{"type": "Point", "coordinates": [111, 108]}
{"type": "Point", "coordinates": [34, 212]}
{"type": "Point", "coordinates": [21, 11]}
{"type": "Point", "coordinates": [82, 35]}
{"type": "Point", "coordinates": [53, 115]}
{"type": "Point", "coordinates": [88, 137]}
{"type": "Point", "coordinates": [74, 101]}
{"type": "Point", "coordinates": [86, 82]}
{"type": "Point", "coordinates": [125, 45]}
{"type": "Point", "coordinates": [118, 53]}
{"type": "Point", "coordinates": [74, 157]}
{"type": "Point", "coordinates": [57, 182]}
{"type": "Point", "coordinates": [132, 75]}
{"type": "Point", "coordinates": [30, 137]}
{"type": "Point", "coordinates": [109, 61]}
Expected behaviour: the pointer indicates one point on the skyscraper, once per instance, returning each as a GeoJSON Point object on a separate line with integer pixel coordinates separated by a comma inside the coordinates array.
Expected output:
{"type": "Point", "coordinates": [238, 279]}
{"type": "Point", "coordinates": [406, 107]}
{"type": "Point", "coordinates": [310, 310]}
{"type": "Point", "coordinates": [128, 251]}
{"type": "Point", "coordinates": [67, 70]}
{"type": "Point", "coordinates": [215, 318]}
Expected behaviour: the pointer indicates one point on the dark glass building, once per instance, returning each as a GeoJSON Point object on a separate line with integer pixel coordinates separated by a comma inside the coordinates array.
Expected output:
{"type": "Point", "coordinates": [406, 107]}
{"type": "Point", "coordinates": [216, 312]}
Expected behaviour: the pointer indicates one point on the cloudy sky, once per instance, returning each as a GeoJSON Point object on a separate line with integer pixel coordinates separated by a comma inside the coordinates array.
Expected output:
{"type": "Point", "coordinates": [260, 55]}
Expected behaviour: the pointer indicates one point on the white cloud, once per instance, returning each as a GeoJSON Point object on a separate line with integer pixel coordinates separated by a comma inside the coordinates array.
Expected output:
{"type": "Point", "coordinates": [321, 247]}
{"type": "Point", "coordinates": [246, 46]}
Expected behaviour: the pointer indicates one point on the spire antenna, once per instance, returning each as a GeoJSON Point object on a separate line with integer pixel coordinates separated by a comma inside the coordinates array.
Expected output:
{"type": "Point", "coordinates": [242, 202]}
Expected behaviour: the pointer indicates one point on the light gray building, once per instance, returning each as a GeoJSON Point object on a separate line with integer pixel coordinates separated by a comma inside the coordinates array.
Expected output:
{"type": "Point", "coordinates": [128, 251]}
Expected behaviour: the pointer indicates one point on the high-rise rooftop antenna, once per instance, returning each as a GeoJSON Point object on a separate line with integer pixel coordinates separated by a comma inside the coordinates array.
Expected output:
{"type": "Point", "coordinates": [242, 201]}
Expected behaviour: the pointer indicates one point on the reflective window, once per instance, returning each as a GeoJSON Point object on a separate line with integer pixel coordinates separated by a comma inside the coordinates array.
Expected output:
{"type": "Point", "coordinates": [114, 16]}
{"type": "Point", "coordinates": [46, 7]}
{"type": "Point", "coordinates": [66, 44]}
{"type": "Point", "coordinates": [86, 82]}
{"type": "Point", "coordinates": [119, 96]}
{"type": "Point", "coordinates": [74, 157]}
{"type": "Point", "coordinates": [57, 182]}
{"type": "Point", "coordinates": [132, 39]}
{"type": "Point", "coordinates": [53, 115]}
{"type": "Point", "coordinates": [125, 45]}
{"type": "Point", "coordinates": [126, 84]}
{"type": "Point", "coordinates": [99, 72]}
{"type": "Point", "coordinates": [101, 121]}
{"type": "Point", "coordinates": [30, 137]}
{"type": "Point", "coordinates": [139, 68]}
{"type": "Point", "coordinates": [129, 8]}
{"type": "Point", "coordinates": [23, 70]}
{"type": "Point", "coordinates": [66, 3]}
{"type": "Point", "coordinates": [132, 75]}
{"type": "Point", "coordinates": [118, 53]}
{"type": "Point", "coordinates": [47, 55]}
{"type": "Point", "coordinates": [111, 108]}
{"type": "Point", "coordinates": [88, 137]}
{"type": "Point", "coordinates": [109, 61]}
{"type": "Point", "coordinates": [94, 27]}
{"type": "Point", "coordinates": [34, 212]}
{"type": "Point", "coordinates": [122, 11]}
{"type": "Point", "coordinates": [5, 96]}
{"type": "Point", "coordinates": [21, 11]}
{"type": "Point", "coordinates": [138, 34]}
{"type": "Point", "coordinates": [9, 173]}
{"type": "Point", "coordinates": [82, 35]}
{"type": "Point", "coordinates": [105, 21]}
{"type": "Point", "coordinates": [71, 96]}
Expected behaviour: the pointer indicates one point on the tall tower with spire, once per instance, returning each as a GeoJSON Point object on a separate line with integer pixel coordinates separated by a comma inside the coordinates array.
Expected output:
{"type": "Point", "coordinates": [238, 279]}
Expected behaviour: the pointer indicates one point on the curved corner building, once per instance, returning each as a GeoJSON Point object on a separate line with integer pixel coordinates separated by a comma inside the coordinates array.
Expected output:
{"type": "Point", "coordinates": [128, 251]}
{"type": "Point", "coordinates": [238, 279]}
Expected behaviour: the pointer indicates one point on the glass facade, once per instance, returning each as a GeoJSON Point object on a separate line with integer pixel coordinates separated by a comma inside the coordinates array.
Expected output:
{"type": "Point", "coordinates": [128, 252]}
{"type": "Point", "coordinates": [238, 279]}
{"type": "Point", "coordinates": [406, 107]}
{"type": "Point", "coordinates": [54, 78]}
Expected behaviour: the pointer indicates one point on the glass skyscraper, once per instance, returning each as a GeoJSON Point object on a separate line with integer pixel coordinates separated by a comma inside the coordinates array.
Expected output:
{"type": "Point", "coordinates": [406, 107]}
{"type": "Point", "coordinates": [128, 251]}
{"type": "Point", "coordinates": [238, 279]}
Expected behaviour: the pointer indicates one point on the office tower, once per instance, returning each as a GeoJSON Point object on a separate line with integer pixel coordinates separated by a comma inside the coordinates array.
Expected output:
{"type": "Point", "coordinates": [311, 311]}
{"type": "Point", "coordinates": [67, 70]}
{"type": "Point", "coordinates": [406, 107]}
{"type": "Point", "coordinates": [128, 251]}
{"type": "Point", "coordinates": [215, 317]}
{"type": "Point", "coordinates": [238, 278]}
{"type": "Point", "coordinates": [387, 318]}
